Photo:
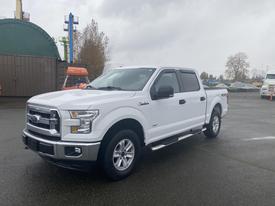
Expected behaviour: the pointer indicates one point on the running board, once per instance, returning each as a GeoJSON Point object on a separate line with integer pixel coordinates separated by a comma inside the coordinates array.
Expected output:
{"type": "Point", "coordinates": [172, 140]}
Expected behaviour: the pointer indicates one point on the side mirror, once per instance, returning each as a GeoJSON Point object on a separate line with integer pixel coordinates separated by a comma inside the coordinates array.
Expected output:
{"type": "Point", "coordinates": [165, 92]}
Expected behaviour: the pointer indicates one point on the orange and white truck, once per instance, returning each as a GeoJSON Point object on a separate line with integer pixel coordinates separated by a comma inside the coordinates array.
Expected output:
{"type": "Point", "coordinates": [76, 78]}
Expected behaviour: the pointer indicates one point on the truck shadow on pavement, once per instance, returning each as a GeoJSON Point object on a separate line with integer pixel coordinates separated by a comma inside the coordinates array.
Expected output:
{"type": "Point", "coordinates": [167, 167]}
{"type": "Point", "coordinates": [150, 163]}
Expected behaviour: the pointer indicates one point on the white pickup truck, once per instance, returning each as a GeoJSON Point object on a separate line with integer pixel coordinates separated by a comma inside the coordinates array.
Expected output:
{"type": "Point", "coordinates": [120, 112]}
{"type": "Point", "coordinates": [268, 88]}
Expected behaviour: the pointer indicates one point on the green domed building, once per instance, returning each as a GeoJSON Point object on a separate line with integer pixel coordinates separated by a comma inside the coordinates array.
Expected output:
{"type": "Point", "coordinates": [19, 37]}
{"type": "Point", "coordinates": [28, 59]}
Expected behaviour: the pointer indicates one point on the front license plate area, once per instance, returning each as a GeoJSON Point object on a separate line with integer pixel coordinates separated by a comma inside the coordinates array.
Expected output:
{"type": "Point", "coordinates": [33, 144]}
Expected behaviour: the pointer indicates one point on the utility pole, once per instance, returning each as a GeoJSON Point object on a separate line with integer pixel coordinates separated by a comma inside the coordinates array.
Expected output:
{"type": "Point", "coordinates": [19, 13]}
{"type": "Point", "coordinates": [19, 10]}
{"type": "Point", "coordinates": [70, 29]}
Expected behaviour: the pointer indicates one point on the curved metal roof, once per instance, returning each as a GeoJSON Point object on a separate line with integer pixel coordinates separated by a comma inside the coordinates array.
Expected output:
{"type": "Point", "coordinates": [18, 37]}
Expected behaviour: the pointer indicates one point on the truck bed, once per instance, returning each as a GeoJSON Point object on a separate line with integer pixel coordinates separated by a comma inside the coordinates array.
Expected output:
{"type": "Point", "coordinates": [214, 88]}
{"type": "Point", "coordinates": [215, 95]}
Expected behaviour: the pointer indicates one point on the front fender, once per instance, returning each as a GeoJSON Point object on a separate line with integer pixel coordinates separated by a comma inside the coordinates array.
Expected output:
{"type": "Point", "coordinates": [108, 120]}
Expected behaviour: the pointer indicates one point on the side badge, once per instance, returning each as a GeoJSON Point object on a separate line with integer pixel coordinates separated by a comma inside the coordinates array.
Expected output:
{"type": "Point", "coordinates": [143, 103]}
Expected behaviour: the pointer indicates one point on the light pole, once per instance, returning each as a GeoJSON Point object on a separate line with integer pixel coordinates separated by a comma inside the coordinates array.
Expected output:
{"type": "Point", "coordinates": [70, 29]}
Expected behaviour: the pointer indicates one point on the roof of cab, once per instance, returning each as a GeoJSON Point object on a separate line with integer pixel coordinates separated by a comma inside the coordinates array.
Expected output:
{"type": "Point", "coordinates": [155, 67]}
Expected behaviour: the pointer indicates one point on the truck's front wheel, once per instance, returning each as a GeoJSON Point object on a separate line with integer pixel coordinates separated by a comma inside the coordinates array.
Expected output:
{"type": "Point", "coordinates": [119, 155]}
{"type": "Point", "coordinates": [214, 126]}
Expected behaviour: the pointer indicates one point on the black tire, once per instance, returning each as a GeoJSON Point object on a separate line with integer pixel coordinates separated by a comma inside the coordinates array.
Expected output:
{"type": "Point", "coordinates": [107, 154]}
{"type": "Point", "coordinates": [211, 131]}
{"type": "Point", "coordinates": [262, 97]}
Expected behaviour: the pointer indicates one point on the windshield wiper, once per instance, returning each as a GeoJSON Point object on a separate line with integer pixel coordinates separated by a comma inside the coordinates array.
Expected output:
{"type": "Point", "coordinates": [109, 88]}
{"type": "Point", "coordinates": [90, 87]}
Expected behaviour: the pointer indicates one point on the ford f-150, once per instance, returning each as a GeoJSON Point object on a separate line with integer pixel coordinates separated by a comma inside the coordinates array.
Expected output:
{"type": "Point", "coordinates": [119, 113]}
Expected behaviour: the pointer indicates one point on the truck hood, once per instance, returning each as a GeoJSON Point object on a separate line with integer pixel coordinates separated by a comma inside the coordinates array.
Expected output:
{"type": "Point", "coordinates": [269, 81]}
{"type": "Point", "coordinates": [79, 99]}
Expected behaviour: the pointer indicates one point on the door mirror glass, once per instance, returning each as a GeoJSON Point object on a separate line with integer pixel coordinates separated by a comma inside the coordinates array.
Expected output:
{"type": "Point", "coordinates": [165, 92]}
{"type": "Point", "coordinates": [165, 85]}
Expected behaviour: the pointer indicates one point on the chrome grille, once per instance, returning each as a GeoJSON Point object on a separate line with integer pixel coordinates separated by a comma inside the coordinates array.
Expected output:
{"type": "Point", "coordinates": [43, 121]}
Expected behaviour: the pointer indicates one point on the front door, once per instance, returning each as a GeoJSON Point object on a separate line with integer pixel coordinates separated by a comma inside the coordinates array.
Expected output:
{"type": "Point", "coordinates": [167, 114]}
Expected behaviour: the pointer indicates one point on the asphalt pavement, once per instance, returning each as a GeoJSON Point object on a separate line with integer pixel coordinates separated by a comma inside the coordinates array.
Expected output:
{"type": "Point", "coordinates": [237, 168]}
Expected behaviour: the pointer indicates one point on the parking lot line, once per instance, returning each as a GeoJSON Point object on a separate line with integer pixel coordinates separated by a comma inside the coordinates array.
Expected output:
{"type": "Point", "coordinates": [260, 138]}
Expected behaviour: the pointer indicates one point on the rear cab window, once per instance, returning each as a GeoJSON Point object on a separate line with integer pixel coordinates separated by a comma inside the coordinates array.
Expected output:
{"type": "Point", "coordinates": [189, 80]}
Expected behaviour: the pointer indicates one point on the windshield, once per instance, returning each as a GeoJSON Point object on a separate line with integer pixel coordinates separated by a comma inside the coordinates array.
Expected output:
{"type": "Point", "coordinates": [270, 76]}
{"type": "Point", "coordinates": [75, 81]}
{"type": "Point", "coordinates": [123, 79]}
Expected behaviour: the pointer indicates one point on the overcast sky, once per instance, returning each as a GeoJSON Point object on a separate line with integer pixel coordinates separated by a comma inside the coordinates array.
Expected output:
{"type": "Point", "coordinates": [190, 33]}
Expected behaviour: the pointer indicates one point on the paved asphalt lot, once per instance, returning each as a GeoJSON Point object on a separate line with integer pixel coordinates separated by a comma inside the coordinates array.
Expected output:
{"type": "Point", "coordinates": [238, 168]}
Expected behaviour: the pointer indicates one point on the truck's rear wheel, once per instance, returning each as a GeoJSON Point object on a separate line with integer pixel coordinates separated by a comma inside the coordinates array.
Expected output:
{"type": "Point", "coordinates": [120, 154]}
{"type": "Point", "coordinates": [214, 126]}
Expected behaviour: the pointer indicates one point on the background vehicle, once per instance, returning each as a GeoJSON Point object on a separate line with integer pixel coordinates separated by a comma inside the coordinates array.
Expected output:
{"type": "Point", "coordinates": [120, 112]}
{"type": "Point", "coordinates": [242, 87]}
{"type": "Point", "coordinates": [76, 78]}
{"type": "Point", "coordinates": [268, 88]}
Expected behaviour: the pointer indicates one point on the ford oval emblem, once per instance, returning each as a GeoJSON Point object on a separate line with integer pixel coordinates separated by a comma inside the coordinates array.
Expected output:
{"type": "Point", "coordinates": [35, 118]}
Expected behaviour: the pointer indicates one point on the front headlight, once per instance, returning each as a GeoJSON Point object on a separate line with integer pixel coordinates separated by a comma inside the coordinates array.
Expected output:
{"type": "Point", "coordinates": [85, 118]}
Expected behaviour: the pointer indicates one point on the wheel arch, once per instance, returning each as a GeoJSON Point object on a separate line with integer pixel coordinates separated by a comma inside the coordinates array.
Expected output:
{"type": "Point", "coordinates": [218, 106]}
{"type": "Point", "coordinates": [215, 104]}
{"type": "Point", "coordinates": [126, 123]}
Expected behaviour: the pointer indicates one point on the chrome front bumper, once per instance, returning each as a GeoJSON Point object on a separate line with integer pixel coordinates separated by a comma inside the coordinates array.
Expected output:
{"type": "Point", "coordinates": [59, 150]}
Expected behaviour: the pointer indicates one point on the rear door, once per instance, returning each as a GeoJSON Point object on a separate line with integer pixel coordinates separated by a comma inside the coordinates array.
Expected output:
{"type": "Point", "coordinates": [194, 97]}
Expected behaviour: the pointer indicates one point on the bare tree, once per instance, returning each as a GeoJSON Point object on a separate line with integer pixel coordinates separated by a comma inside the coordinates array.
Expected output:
{"type": "Point", "coordinates": [204, 75]}
{"type": "Point", "coordinates": [237, 67]}
{"type": "Point", "coordinates": [91, 48]}
{"type": "Point", "coordinates": [212, 77]}
{"type": "Point", "coordinates": [77, 45]}
{"type": "Point", "coordinates": [258, 74]}
{"type": "Point", "coordinates": [221, 78]}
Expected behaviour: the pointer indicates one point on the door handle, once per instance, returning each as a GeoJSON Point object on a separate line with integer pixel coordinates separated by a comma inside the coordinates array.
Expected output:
{"type": "Point", "coordinates": [203, 98]}
{"type": "Point", "coordinates": [182, 101]}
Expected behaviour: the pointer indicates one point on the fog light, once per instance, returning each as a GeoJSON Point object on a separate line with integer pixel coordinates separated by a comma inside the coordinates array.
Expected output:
{"type": "Point", "coordinates": [77, 150]}
{"type": "Point", "coordinates": [73, 151]}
